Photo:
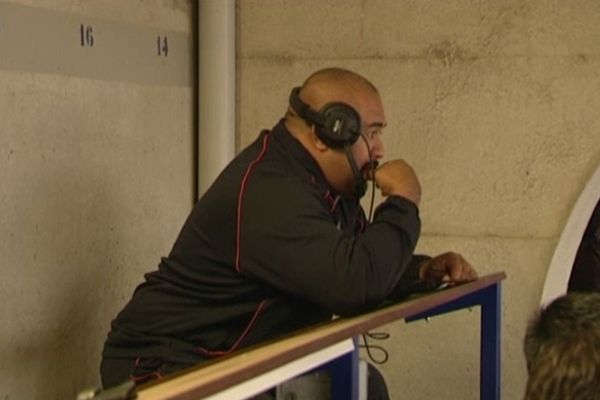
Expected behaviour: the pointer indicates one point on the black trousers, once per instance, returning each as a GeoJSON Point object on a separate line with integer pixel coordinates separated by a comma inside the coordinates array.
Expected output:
{"type": "Point", "coordinates": [115, 371]}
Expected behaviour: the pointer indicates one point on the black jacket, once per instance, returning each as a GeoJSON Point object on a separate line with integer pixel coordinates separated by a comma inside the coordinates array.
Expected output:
{"type": "Point", "coordinates": [269, 249]}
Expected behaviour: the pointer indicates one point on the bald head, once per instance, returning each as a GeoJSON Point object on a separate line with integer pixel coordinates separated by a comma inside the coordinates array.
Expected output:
{"type": "Point", "coordinates": [336, 84]}
{"type": "Point", "coordinates": [341, 159]}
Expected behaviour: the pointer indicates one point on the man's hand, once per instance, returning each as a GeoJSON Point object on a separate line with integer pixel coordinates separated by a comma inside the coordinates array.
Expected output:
{"type": "Point", "coordinates": [398, 178]}
{"type": "Point", "coordinates": [450, 268]}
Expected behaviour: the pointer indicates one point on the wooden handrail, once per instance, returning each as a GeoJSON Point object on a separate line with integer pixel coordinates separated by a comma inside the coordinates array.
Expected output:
{"type": "Point", "coordinates": [209, 378]}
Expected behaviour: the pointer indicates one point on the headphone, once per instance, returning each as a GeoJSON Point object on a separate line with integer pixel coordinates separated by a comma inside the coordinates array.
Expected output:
{"type": "Point", "coordinates": [336, 124]}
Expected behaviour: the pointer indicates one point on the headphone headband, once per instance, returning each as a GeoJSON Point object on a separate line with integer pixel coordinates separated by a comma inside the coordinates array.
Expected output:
{"type": "Point", "coordinates": [303, 110]}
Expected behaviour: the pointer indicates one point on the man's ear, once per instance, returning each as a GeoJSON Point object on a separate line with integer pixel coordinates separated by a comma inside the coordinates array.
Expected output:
{"type": "Point", "coordinates": [319, 145]}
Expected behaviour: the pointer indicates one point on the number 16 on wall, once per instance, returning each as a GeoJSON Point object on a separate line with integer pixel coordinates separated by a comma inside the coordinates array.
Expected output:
{"type": "Point", "coordinates": [86, 35]}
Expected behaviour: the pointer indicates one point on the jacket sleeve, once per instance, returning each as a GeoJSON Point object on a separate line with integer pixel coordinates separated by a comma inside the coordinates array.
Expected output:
{"type": "Point", "coordinates": [410, 283]}
{"type": "Point", "coordinates": [292, 243]}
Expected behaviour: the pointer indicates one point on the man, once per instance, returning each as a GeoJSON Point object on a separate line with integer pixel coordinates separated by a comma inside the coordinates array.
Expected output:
{"type": "Point", "coordinates": [562, 349]}
{"type": "Point", "coordinates": [280, 242]}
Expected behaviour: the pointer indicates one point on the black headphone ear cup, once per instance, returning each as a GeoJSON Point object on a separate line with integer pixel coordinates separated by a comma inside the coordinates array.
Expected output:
{"type": "Point", "coordinates": [341, 125]}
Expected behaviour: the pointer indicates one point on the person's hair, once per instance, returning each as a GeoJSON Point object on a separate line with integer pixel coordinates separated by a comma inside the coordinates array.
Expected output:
{"type": "Point", "coordinates": [562, 349]}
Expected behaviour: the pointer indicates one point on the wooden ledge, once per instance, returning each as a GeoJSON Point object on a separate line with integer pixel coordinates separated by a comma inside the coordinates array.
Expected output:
{"type": "Point", "coordinates": [210, 378]}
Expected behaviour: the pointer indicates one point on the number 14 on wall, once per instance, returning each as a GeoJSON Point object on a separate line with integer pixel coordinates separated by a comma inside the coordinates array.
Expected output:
{"type": "Point", "coordinates": [162, 46]}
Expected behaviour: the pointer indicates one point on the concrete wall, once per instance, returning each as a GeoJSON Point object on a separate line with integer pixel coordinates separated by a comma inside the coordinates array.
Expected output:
{"type": "Point", "coordinates": [493, 102]}
{"type": "Point", "coordinates": [97, 175]}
